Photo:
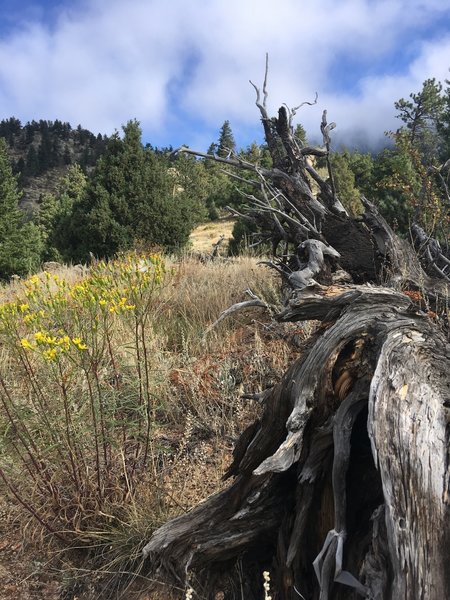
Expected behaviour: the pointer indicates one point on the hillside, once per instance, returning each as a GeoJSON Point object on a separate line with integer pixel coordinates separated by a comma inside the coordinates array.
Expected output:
{"type": "Point", "coordinates": [206, 235]}
{"type": "Point", "coordinates": [41, 151]}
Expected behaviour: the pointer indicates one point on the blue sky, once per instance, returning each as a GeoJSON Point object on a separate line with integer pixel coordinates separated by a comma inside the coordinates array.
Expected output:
{"type": "Point", "coordinates": [181, 67]}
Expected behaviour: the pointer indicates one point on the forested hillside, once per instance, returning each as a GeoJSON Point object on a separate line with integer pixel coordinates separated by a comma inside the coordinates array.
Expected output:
{"type": "Point", "coordinates": [85, 195]}
{"type": "Point", "coordinates": [41, 151]}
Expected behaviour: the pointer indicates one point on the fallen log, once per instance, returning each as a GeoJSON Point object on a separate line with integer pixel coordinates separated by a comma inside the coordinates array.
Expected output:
{"type": "Point", "coordinates": [341, 489]}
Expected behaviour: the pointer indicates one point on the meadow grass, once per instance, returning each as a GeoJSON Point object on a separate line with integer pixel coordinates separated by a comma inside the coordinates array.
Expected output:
{"type": "Point", "coordinates": [116, 410]}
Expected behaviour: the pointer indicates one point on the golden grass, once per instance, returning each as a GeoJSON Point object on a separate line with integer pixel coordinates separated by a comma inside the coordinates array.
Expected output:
{"type": "Point", "coordinates": [206, 235]}
{"type": "Point", "coordinates": [197, 381]}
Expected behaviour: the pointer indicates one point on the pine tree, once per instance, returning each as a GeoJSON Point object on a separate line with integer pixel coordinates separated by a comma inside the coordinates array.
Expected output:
{"type": "Point", "coordinates": [300, 134]}
{"type": "Point", "coordinates": [420, 142]}
{"type": "Point", "coordinates": [133, 194]}
{"type": "Point", "coordinates": [19, 242]}
{"type": "Point", "coordinates": [421, 115]}
{"type": "Point", "coordinates": [344, 180]}
{"type": "Point", "coordinates": [55, 213]}
{"type": "Point", "coordinates": [226, 143]}
{"type": "Point", "coordinates": [443, 125]}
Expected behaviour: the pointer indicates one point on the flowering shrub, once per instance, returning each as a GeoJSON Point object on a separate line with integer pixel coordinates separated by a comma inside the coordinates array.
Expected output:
{"type": "Point", "coordinates": [76, 400]}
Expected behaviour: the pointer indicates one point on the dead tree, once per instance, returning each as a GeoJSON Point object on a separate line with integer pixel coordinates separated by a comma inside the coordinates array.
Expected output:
{"type": "Point", "coordinates": [342, 489]}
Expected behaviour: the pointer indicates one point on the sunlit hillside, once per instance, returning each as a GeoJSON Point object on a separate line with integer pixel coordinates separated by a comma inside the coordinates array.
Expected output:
{"type": "Point", "coordinates": [204, 236]}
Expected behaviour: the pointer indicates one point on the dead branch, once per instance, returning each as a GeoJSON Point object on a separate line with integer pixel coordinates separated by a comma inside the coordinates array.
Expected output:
{"type": "Point", "coordinates": [342, 487]}
{"type": "Point", "coordinates": [255, 302]}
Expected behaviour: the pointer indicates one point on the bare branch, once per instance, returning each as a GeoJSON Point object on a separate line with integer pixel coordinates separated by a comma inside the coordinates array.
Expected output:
{"type": "Point", "coordinates": [312, 151]}
{"type": "Point", "coordinates": [265, 80]}
{"type": "Point", "coordinates": [435, 267]}
{"type": "Point", "coordinates": [295, 109]}
{"type": "Point", "coordinates": [242, 179]}
{"type": "Point", "coordinates": [254, 303]}
{"type": "Point", "coordinates": [237, 162]}
{"type": "Point", "coordinates": [262, 107]}
{"type": "Point", "coordinates": [438, 171]}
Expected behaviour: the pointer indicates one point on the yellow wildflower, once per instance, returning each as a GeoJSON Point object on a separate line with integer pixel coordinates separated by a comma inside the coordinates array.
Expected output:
{"type": "Point", "coordinates": [64, 342]}
{"type": "Point", "coordinates": [49, 354]}
{"type": "Point", "coordinates": [40, 337]}
{"type": "Point", "coordinates": [26, 344]}
{"type": "Point", "coordinates": [79, 344]}
{"type": "Point", "coordinates": [23, 307]}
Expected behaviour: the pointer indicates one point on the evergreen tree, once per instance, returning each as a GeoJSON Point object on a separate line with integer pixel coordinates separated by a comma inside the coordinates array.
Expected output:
{"type": "Point", "coordinates": [32, 163]}
{"type": "Point", "coordinates": [421, 115]}
{"type": "Point", "coordinates": [443, 125]}
{"type": "Point", "coordinates": [344, 180]}
{"type": "Point", "coordinates": [419, 142]}
{"type": "Point", "coordinates": [300, 134]}
{"type": "Point", "coordinates": [131, 196]}
{"type": "Point", "coordinates": [226, 143]}
{"type": "Point", "coordinates": [19, 242]}
{"type": "Point", "coordinates": [395, 185]}
{"type": "Point", "coordinates": [362, 166]}
{"type": "Point", "coordinates": [55, 213]}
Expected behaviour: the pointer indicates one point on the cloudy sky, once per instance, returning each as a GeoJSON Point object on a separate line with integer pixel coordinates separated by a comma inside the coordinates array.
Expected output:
{"type": "Point", "coordinates": [181, 67]}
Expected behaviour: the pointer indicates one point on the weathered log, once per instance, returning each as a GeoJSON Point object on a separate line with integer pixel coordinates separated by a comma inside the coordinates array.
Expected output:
{"type": "Point", "coordinates": [342, 488]}
{"type": "Point", "coordinates": [302, 447]}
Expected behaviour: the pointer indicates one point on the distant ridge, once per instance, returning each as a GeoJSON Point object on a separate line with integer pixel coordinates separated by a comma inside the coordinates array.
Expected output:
{"type": "Point", "coordinates": [41, 152]}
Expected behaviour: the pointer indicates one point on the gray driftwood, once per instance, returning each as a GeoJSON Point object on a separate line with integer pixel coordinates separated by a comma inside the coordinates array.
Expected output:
{"type": "Point", "coordinates": [342, 489]}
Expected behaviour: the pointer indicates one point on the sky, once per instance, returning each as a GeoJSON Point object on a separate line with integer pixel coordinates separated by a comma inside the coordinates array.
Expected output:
{"type": "Point", "coordinates": [182, 67]}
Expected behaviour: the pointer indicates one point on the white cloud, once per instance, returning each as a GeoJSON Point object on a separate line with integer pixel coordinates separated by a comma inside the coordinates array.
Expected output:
{"type": "Point", "coordinates": [103, 62]}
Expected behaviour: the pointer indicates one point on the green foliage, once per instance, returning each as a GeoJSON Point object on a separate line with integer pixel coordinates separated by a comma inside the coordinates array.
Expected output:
{"type": "Point", "coordinates": [134, 194]}
{"type": "Point", "coordinates": [300, 134]}
{"type": "Point", "coordinates": [394, 183]}
{"type": "Point", "coordinates": [420, 145]}
{"type": "Point", "coordinates": [362, 166]}
{"type": "Point", "coordinates": [42, 145]}
{"type": "Point", "coordinates": [242, 237]}
{"type": "Point", "coordinates": [421, 115]}
{"type": "Point", "coordinates": [56, 210]}
{"type": "Point", "coordinates": [226, 145]}
{"type": "Point", "coordinates": [443, 125]}
{"type": "Point", "coordinates": [257, 155]}
{"type": "Point", "coordinates": [19, 241]}
{"type": "Point", "coordinates": [344, 179]}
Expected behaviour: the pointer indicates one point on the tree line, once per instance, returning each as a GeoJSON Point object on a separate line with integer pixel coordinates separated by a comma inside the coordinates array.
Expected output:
{"type": "Point", "coordinates": [119, 193]}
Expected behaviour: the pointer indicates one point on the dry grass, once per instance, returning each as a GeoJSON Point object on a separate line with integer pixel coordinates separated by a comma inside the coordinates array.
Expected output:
{"type": "Point", "coordinates": [206, 235]}
{"type": "Point", "coordinates": [197, 382]}
{"type": "Point", "coordinates": [70, 273]}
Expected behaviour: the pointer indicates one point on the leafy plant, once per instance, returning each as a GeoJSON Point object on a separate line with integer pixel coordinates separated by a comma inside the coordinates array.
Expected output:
{"type": "Point", "coordinates": [77, 408]}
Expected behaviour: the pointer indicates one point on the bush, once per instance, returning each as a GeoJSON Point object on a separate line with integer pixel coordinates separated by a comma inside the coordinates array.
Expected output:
{"type": "Point", "coordinates": [78, 408]}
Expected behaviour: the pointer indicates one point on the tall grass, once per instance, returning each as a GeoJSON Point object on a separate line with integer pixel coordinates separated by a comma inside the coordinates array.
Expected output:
{"type": "Point", "coordinates": [113, 402]}
{"type": "Point", "coordinates": [78, 408]}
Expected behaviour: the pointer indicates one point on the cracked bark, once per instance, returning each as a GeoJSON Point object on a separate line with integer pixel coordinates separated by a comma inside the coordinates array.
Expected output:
{"type": "Point", "coordinates": [342, 489]}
